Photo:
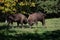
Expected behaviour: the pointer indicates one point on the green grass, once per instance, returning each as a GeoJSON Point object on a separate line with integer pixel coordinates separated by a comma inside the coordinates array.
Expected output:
{"type": "Point", "coordinates": [51, 24]}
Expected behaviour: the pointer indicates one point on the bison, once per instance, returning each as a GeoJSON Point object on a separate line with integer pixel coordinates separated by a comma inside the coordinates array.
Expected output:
{"type": "Point", "coordinates": [19, 18]}
{"type": "Point", "coordinates": [35, 17]}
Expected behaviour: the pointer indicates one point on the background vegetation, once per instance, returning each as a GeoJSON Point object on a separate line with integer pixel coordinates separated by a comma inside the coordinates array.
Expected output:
{"type": "Point", "coordinates": [27, 6]}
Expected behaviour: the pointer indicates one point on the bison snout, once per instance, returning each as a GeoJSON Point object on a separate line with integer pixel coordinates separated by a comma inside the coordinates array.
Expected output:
{"type": "Point", "coordinates": [31, 23]}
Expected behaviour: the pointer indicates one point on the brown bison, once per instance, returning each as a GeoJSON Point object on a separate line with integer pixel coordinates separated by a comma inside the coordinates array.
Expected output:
{"type": "Point", "coordinates": [19, 18]}
{"type": "Point", "coordinates": [35, 17]}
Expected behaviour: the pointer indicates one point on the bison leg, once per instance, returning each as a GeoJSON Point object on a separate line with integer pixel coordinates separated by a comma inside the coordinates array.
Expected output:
{"type": "Point", "coordinates": [12, 23]}
{"type": "Point", "coordinates": [43, 22]}
{"type": "Point", "coordinates": [36, 24]}
{"type": "Point", "coordinates": [17, 24]}
{"type": "Point", "coordinates": [8, 23]}
{"type": "Point", "coordinates": [22, 25]}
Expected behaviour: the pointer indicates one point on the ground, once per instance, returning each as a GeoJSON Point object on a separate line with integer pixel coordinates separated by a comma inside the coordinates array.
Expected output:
{"type": "Point", "coordinates": [49, 33]}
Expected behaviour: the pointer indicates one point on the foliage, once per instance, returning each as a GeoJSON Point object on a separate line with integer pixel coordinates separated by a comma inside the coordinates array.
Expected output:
{"type": "Point", "coordinates": [28, 6]}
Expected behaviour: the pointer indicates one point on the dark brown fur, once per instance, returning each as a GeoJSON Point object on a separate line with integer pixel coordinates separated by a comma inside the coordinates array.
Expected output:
{"type": "Point", "coordinates": [19, 18]}
{"type": "Point", "coordinates": [35, 17]}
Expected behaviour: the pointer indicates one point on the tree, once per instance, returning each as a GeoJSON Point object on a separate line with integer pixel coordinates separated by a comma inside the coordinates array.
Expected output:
{"type": "Point", "coordinates": [27, 6]}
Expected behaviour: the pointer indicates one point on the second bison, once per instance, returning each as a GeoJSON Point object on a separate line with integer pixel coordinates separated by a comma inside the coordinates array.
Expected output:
{"type": "Point", "coordinates": [19, 18]}
{"type": "Point", "coordinates": [35, 17]}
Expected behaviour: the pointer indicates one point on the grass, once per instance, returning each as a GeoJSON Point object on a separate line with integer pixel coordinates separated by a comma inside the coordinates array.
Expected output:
{"type": "Point", "coordinates": [51, 24]}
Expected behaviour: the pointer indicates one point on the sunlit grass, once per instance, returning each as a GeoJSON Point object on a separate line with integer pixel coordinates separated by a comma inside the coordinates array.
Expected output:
{"type": "Point", "coordinates": [51, 24]}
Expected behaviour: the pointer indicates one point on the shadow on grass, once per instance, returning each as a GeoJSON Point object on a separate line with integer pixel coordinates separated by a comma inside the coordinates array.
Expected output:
{"type": "Point", "coordinates": [8, 27]}
{"type": "Point", "coordinates": [49, 35]}
{"type": "Point", "coordinates": [4, 27]}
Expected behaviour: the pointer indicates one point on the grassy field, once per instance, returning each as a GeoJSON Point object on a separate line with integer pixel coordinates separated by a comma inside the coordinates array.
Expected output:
{"type": "Point", "coordinates": [52, 32]}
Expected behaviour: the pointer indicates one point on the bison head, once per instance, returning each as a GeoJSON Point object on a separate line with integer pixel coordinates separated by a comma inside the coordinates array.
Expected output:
{"type": "Point", "coordinates": [30, 22]}
{"type": "Point", "coordinates": [25, 21]}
